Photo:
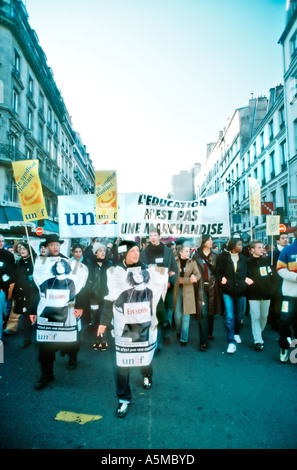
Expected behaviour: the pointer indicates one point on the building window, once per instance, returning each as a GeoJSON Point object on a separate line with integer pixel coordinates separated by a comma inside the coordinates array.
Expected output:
{"type": "Point", "coordinates": [263, 172]}
{"type": "Point", "coordinates": [49, 145]}
{"type": "Point", "coordinates": [271, 165]}
{"type": "Point", "coordinates": [17, 62]}
{"type": "Point", "coordinates": [49, 116]}
{"type": "Point", "coordinates": [41, 103]}
{"type": "Point", "coordinates": [29, 119]}
{"type": "Point", "coordinates": [40, 134]}
{"type": "Point", "coordinates": [242, 165]}
{"type": "Point", "coordinates": [55, 153]}
{"type": "Point", "coordinates": [271, 132]}
{"type": "Point", "coordinates": [262, 140]}
{"type": "Point", "coordinates": [293, 45]}
{"type": "Point", "coordinates": [283, 155]}
{"type": "Point", "coordinates": [273, 196]}
{"type": "Point", "coordinates": [29, 154]}
{"type": "Point", "coordinates": [281, 117]}
{"type": "Point", "coordinates": [255, 150]}
{"type": "Point", "coordinates": [56, 128]}
{"type": "Point", "coordinates": [295, 133]}
{"type": "Point", "coordinates": [15, 101]}
{"type": "Point", "coordinates": [31, 85]}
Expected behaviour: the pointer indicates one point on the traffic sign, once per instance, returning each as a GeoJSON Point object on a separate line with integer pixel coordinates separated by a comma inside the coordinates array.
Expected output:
{"type": "Point", "coordinates": [39, 231]}
{"type": "Point", "coordinates": [282, 228]}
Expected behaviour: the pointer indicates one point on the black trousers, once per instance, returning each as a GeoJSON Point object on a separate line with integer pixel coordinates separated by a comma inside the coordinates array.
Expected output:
{"type": "Point", "coordinates": [122, 381]}
{"type": "Point", "coordinates": [288, 321]}
{"type": "Point", "coordinates": [47, 353]}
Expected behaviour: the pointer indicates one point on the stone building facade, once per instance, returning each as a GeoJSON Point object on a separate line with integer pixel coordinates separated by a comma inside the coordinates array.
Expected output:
{"type": "Point", "coordinates": [34, 121]}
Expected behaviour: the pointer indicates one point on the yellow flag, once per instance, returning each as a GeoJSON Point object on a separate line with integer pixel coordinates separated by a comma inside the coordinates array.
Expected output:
{"type": "Point", "coordinates": [106, 197]}
{"type": "Point", "coordinates": [29, 190]}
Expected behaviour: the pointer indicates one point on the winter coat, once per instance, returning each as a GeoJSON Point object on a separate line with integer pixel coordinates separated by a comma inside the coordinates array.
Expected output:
{"type": "Point", "coordinates": [236, 285]}
{"type": "Point", "coordinates": [189, 303]}
{"type": "Point", "coordinates": [98, 282]}
{"type": "Point", "coordinates": [212, 286]}
{"type": "Point", "coordinates": [7, 270]}
{"type": "Point", "coordinates": [25, 292]}
{"type": "Point", "coordinates": [260, 271]}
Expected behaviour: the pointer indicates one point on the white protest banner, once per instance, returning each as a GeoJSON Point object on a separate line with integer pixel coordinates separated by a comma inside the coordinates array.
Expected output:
{"type": "Point", "coordinates": [137, 212]}
{"type": "Point", "coordinates": [77, 218]}
{"type": "Point", "coordinates": [176, 218]}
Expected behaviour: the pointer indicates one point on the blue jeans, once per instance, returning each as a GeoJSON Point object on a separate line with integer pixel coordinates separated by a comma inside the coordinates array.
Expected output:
{"type": "Point", "coordinates": [182, 321]}
{"type": "Point", "coordinates": [234, 309]}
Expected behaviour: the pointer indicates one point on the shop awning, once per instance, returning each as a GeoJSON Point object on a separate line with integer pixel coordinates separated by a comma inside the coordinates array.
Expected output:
{"type": "Point", "coordinates": [11, 218]}
{"type": "Point", "coordinates": [49, 226]}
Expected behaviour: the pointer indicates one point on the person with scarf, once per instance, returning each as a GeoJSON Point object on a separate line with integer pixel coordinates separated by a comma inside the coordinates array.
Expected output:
{"type": "Point", "coordinates": [232, 275]}
{"type": "Point", "coordinates": [25, 293]}
{"type": "Point", "coordinates": [184, 293]}
{"type": "Point", "coordinates": [259, 293]}
{"type": "Point", "coordinates": [206, 259]}
{"type": "Point", "coordinates": [98, 290]}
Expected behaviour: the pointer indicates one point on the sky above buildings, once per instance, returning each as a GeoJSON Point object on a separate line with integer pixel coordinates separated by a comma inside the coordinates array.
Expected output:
{"type": "Point", "coordinates": [149, 83]}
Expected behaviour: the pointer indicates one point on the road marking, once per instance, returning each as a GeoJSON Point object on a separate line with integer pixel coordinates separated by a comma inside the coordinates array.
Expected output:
{"type": "Point", "coordinates": [79, 418]}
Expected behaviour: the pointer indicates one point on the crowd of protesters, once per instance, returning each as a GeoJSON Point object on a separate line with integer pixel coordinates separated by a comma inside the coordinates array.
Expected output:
{"type": "Point", "coordinates": [202, 281]}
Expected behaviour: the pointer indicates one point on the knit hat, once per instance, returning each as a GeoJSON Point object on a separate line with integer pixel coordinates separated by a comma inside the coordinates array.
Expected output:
{"type": "Point", "coordinates": [125, 246]}
{"type": "Point", "coordinates": [96, 247]}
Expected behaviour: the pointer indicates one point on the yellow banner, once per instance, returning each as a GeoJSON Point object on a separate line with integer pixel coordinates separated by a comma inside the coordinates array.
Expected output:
{"type": "Point", "coordinates": [29, 190]}
{"type": "Point", "coordinates": [106, 197]}
{"type": "Point", "coordinates": [255, 197]}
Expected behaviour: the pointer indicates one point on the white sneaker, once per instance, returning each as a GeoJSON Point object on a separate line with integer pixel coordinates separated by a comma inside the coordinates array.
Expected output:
{"type": "Point", "coordinates": [122, 409]}
{"type": "Point", "coordinates": [147, 382]}
{"type": "Point", "coordinates": [284, 355]}
{"type": "Point", "coordinates": [237, 338]}
{"type": "Point", "coordinates": [231, 348]}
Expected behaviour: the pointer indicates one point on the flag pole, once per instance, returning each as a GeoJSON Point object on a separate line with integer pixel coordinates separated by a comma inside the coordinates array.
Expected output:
{"type": "Point", "coordinates": [27, 234]}
{"type": "Point", "coordinates": [272, 246]}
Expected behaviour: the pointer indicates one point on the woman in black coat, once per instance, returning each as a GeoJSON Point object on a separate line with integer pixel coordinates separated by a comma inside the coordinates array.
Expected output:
{"type": "Point", "coordinates": [25, 293]}
{"type": "Point", "coordinates": [232, 275]}
{"type": "Point", "coordinates": [98, 290]}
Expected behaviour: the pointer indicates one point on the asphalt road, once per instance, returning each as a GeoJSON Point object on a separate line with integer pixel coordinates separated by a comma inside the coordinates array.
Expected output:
{"type": "Point", "coordinates": [199, 400]}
